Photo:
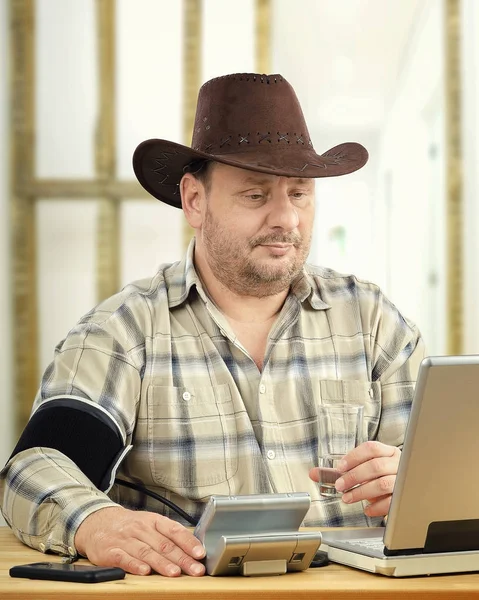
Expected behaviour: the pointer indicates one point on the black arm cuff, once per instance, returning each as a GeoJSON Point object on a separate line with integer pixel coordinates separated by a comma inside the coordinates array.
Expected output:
{"type": "Point", "coordinates": [82, 431]}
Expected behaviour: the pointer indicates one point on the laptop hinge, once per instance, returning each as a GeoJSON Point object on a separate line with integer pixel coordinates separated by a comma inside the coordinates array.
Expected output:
{"type": "Point", "coordinates": [445, 536]}
{"type": "Point", "coordinates": [452, 536]}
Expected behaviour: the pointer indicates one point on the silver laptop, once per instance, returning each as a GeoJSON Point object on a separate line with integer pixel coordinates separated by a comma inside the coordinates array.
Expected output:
{"type": "Point", "coordinates": [433, 522]}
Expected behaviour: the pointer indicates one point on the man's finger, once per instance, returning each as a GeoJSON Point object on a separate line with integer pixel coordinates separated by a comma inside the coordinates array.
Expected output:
{"type": "Point", "coordinates": [378, 508]}
{"type": "Point", "coordinates": [116, 557]}
{"type": "Point", "coordinates": [173, 555]}
{"type": "Point", "coordinates": [371, 491]}
{"type": "Point", "coordinates": [364, 452]}
{"type": "Point", "coordinates": [181, 537]}
{"type": "Point", "coordinates": [164, 557]}
{"type": "Point", "coordinates": [168, 547]}
{"type": "Point", "coordinates": [368, 471]}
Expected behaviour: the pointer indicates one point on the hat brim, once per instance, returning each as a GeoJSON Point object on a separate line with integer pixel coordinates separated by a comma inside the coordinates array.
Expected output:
{"type": "Point", "coordinates": [159, 164]}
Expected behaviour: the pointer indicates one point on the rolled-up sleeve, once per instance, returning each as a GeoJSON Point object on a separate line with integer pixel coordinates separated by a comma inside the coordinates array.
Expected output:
{"type": "Point", "coordinates": [46, 498]}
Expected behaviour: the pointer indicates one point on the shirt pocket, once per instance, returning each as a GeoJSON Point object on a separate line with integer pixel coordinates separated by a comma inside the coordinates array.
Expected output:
{"type": "Point", "coordinates": [364, 393]}
{"type": "Point", "coordinates": [192, 436]}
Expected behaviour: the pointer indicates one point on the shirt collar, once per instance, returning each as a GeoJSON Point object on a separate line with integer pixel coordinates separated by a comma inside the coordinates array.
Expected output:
{"type": "Point", "coordinates": [182, 276]}
{"type": "Point", "coordinates": [305, 287]}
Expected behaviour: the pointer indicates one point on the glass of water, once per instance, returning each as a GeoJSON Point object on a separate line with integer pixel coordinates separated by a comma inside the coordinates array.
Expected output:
{"type": "Point", "coordinates": [340, 430]}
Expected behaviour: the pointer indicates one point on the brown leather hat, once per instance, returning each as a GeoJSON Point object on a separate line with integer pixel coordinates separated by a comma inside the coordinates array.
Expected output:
{"type": "Point", "coordinates": [249, 121]}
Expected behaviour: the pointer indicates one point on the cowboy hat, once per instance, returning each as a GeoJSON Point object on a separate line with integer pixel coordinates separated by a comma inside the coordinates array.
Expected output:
{"type": "Point", "coordinates": [249, 121]}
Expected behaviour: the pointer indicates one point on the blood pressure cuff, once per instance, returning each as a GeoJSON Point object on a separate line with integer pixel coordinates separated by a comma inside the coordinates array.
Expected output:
{"type": "Point", "coordinates": [81, 430]}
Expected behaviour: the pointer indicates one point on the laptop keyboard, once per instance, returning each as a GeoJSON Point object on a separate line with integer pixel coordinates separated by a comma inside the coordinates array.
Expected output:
{"type": "Point", "coordinates": [375, 544]}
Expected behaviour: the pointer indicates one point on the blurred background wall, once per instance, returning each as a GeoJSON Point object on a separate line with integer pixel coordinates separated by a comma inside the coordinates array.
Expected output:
{"type": "Point", "coordinates": [83, 82]}
{"type": "Point", "coordinates": [470, 133]}
{"type": "Point", "coordinates": [6, 347]}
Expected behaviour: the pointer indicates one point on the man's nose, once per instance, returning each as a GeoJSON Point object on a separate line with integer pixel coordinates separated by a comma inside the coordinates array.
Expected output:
{"type": "Point", "coordinates": [283, 213]}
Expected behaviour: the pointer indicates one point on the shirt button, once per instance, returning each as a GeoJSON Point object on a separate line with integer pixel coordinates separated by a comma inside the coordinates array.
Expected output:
{"type": "Point", "coordinates": [42, 547]}
{"type": "Point", "coordinates": [71, 551]}
{"type": "Point", "coordinates": [271, 454]}
{"type": "Point", "coordinates": [371, 393]}
{"type": "Point", "coordinates": [186, 396]}
{"type": "Point", "coordinates": [262, 389]}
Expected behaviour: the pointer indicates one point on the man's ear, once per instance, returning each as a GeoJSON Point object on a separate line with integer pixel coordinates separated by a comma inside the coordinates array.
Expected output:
{"type": "Point", "coordinates": [192, 198]}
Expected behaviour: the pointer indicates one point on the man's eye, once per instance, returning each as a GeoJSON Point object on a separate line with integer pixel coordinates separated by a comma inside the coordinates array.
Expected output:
{"type": "Point", "coordinates": [298, 195]}
{"type": "Point", "coordinates": [255, 196]}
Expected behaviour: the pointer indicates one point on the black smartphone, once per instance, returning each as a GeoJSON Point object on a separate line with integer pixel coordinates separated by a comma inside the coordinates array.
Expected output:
{"type": "Point", "coordinates": [67, 572]}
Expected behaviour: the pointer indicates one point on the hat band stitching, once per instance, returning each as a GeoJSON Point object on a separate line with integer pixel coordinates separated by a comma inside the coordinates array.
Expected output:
{"type": "Point", "coordinates": [262, 137]}
{"type": "Point", "coordinates": [226, 140]}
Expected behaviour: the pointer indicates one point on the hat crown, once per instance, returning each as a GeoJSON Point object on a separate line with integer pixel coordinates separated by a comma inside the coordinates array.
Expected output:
{"type": "Point", "coordinates": [248, 121]}
{"type": "Point", "coordinates": [239, 112]}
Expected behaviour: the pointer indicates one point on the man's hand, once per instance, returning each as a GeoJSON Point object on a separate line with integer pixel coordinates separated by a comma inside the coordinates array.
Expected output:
{"type": "Point", "coordinates": [139, 542]}
{"type": "Point", "coordinates": [368, 473]}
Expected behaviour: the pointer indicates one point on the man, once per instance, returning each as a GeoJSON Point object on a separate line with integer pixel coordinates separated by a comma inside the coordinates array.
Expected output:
{"type": "Point", "coordinates": [211, 372]}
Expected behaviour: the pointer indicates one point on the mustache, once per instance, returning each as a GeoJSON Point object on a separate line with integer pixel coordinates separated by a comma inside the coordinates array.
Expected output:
{"type": "Point", "coordinates": [277, 238]}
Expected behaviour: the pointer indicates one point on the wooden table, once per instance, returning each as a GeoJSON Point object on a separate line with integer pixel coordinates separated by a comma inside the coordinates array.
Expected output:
{"type": "Point", "coordinates": [333, 582]}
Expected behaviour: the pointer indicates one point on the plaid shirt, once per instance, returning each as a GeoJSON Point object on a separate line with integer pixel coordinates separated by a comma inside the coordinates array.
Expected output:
{"type": "Point", "coordinates": [202, 419]}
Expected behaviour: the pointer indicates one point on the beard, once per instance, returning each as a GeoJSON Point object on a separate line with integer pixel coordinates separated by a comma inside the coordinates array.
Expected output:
{"type": "Point", "coordinates": [232, 263]}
